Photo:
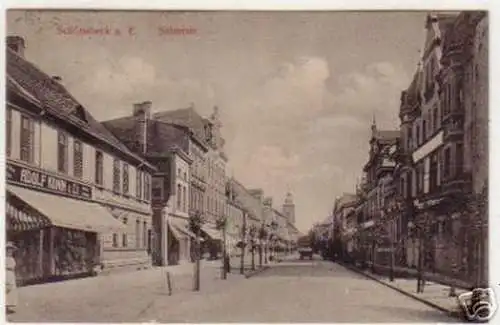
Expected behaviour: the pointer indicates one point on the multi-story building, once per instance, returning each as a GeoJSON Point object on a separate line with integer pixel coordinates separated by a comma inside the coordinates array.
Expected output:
{"type": "Point", "coordinates": [463, 81]}
{"type": "Point", "coordinates": [344, 223]}
{"type": "Point", "coordinates": [377, 178]}
{"type": "Point", "coordinates": [76, 196]}
{"type": "Point", "coordinates": [179, 182]}
{"type": "Point", "coordinates": [208, 133]}
{"type": "Point", "coordinates": [438, 144]}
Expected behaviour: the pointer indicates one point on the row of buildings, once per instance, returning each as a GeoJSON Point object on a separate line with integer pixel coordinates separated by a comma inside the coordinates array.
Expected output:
{"type": "Point", "coordinates": [422, 201]}
{"type": "Point", "coordinates": [83, 195]}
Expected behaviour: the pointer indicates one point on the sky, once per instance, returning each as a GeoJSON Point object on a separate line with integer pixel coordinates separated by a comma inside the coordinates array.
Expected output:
{"type": "Point", "coordinates": [296, 91]}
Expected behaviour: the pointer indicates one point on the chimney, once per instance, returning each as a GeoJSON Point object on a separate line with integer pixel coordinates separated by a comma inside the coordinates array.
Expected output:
{"type": "Point", "coordinates": [143, 112]}
{"type": "Point", "coordinates": [268, 201]}
{"type": "Point", "coordinates": [143, 109]}
{"type": "Point", "coordinates": [16, 44]}
{"type": "Point", "coordinates": [257, 193]}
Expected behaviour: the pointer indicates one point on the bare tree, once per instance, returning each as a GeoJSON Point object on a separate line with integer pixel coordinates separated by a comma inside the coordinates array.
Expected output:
{"type": "Point", "coordinates": [196, 221]}
{"type": "Point", "coordinates": [221, 225]}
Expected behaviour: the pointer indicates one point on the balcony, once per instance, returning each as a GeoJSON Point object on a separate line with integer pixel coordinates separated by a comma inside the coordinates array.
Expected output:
{"type": "Point", "coordinates": [453, 131]}
{"type": "Point", "coordinates": [459, 184]}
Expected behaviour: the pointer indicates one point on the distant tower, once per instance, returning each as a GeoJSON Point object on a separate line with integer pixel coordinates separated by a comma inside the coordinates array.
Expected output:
{"type": "Point", "coordinates": [289, 208]}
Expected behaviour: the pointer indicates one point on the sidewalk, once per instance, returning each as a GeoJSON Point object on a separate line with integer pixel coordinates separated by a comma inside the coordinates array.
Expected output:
{"type": "Point", "coordinates": [435, 295]}
{"type": "Point", "coordinates": [120, 297]}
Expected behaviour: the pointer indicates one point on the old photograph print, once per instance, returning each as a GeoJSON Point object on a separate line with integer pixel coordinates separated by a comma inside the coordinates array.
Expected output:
{"type": "Point", "coordinates": [247, 166]}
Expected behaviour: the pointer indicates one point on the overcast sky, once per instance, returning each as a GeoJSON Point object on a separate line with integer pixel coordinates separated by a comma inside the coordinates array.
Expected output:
{"type": "Point", "coordinates": [296, 90]}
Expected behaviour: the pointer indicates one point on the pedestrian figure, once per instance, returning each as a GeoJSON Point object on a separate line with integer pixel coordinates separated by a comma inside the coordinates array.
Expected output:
{"type": "Point", "coordinates": [10, 281]}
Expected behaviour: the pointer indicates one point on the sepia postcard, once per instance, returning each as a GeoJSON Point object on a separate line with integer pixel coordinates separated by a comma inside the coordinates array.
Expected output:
{"type": "Point", "coordinates": [247, 166]}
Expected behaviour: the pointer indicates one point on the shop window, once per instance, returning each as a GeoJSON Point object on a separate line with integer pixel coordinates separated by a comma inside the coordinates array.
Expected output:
{"type": "Point", "coordinates": [125, 179]}
{"type": "Point", "coordinates": [99, 168]}
{"type": "Point", "coordinates": [138, 185]}
{"type": "Point", "coordinates": [116, 175]}
{"type": "Point", "coordinates": [77, 159]}
{"type": "Point", "coordinates": [115, 240]}
{"type": "Point", "coordinates": [62, 152]}
{"type": "Point", "coordinates": [27, 139]}
{"type": "Point", "coordinates": [144, 234]}
{"type": "Point", "coordinates": [8, 127]}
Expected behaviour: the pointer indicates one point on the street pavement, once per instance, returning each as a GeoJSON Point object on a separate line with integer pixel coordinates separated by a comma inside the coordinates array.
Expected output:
{"type": "Point", "coordinates": [290, 291]}
{"type": "Point", "coordinates": [299, 291]}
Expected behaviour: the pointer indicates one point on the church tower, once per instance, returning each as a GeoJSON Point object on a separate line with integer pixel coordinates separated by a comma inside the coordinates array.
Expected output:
{"type": "Point", "coordinates": [289, 208]}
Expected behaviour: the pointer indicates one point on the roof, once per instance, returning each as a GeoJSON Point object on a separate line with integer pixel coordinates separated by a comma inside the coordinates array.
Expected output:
{"type": "Point", "coordinates": [387, 134]}
{"type": "Point", "coordinates": [56, 99]}
{"type": "Point", "coordinates": [187, 117]}
{"type": "Point", "coordinates": [345, 200]}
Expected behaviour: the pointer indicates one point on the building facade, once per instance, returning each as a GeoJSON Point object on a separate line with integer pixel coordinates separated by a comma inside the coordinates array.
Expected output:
{"type": "Point", "coordinates": [178, 183]}
{"type": "Point", "coordinates": [77, 199]}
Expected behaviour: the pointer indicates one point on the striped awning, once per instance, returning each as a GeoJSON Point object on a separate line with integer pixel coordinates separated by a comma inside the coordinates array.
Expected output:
{"type": "Point", "coordinates": [65, 212]}
{"type": "Point", "coordinates": [214, 234]}
{"type": "Point", "coordinates": [23, 219]}
{"type": "Point", "coordinates": [180, 228]}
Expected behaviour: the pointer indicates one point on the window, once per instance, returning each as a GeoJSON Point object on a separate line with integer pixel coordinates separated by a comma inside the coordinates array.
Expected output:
{"type": "Point", "coordinates": [138, 184]}
{"type": "Point", "coordinates": [115, 240]}
{"type": "Point", "coordinates": [433, 172]}
{"type": "Point", "coordinates": [185, 176]}
{"type": "Point", "coordinates": [459, 151]}
{"type": "Point", "coordinates": [147, 187]}
{"type": "Point", "coordinates": [77, 159]}
{"type": "Point", "coordinates": [408, 139]}
{"type": "Point", "coordinates": [125, 179]}
{"type": "Point", "coordinates": [179, 197]}
{"type": "Point", "coordinates": [116, 175]}
{"type": "Point", "coordinates": [424, 130]}
{"type": "Point", "coordinates": [99, 168]}
{"type": "Point", "coordinates": [124, 240]}
{"type": "Point", "coordinates": [8, 127]}
{"type": "Point", "coordinates": [144, 234]}
{"type": "Point", "coordinates": [447, 162]}
{"type": "Point", "coordinates": [417, 135]}
{"type": "Point", "coordinates": [435, 118]}
{"type": "Point", "coordinates": [184, 198]}
{"type": "Point", "coordinates": [27, 139]}
{"type": "Point", "coordinates": [137, 233]}
{"type": "Point", "coordinates": [62, 152]}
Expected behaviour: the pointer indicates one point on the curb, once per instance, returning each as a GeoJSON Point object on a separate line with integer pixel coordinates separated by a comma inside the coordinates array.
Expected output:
{"type": "Point", "coordinates": [257, 271]}
{"type": "Point", "coordinates": [452, 313]}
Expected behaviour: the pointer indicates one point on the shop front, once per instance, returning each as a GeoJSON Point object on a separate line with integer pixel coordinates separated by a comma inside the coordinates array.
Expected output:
{"type": "Point", "coordinates": [179, 241]}
{"type": "Point", "coordinates": [212, 240]}
{"type": "Point", "coordinates": [54, 226]}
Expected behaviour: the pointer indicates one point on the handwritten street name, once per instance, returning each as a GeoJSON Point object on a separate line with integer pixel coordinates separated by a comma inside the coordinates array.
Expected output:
{"type": "Point", "coordinates": [129, 31]}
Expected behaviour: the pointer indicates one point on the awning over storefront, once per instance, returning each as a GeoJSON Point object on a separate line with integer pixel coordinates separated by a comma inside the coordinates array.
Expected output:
{"type": "Point", "coordinates": [180, 228]}
{"type": "Point", "coordinates": [214, 234]}
{"type": "Point", "coordinates": [66, 212]}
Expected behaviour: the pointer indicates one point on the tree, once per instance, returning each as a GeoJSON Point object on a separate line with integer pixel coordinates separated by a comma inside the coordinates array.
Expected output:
{"type": "Point", "coordinates": [196, 221]}
{"type": "Point", "coordinates": [262, 237]}
{"type": "Point", "coordinates": [252, 233]}
{"type": "Point", "coordinates": [221, 225]}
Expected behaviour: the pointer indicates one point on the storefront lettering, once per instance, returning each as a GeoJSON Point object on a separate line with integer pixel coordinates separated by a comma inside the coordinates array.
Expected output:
{"type": "Point", "coordinates": [33, 178]}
